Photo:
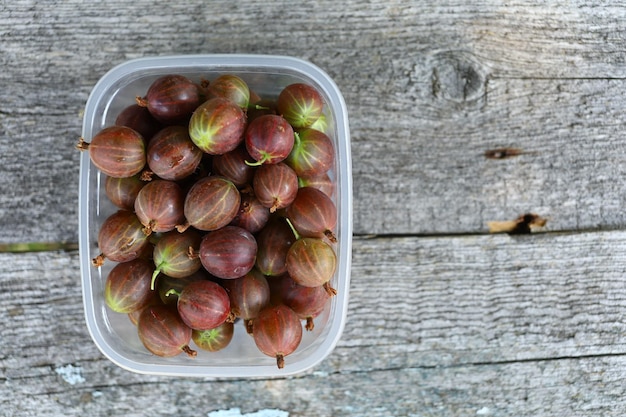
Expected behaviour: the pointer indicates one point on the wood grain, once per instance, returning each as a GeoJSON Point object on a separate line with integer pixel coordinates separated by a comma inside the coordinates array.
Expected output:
{"type": "Point", "coordinates": [435, 178]}
{"type": "Point", "coordinates": [500, 316]}
{"type": "Point", "coordinates": [429, 90]}
{"type": "Point", "coordinates": [581, 387]}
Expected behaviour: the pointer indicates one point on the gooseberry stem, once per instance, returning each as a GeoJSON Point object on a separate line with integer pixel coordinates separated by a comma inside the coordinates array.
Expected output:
{"type": "Point", "coordinates": [141, 101]}
{"type": "Point", "coordinates": [192, 253]}
{"type": "Point", "coordinates": [264, 158]}
{"type": "Point", "coordinates": [310, 325]}
{"type": "Point", "coordinates": [155, 274]}
{"type": "Point", "coordinates": [293, 229]}
{"type": "Point", "coordinates": [147, 230]}
{"type": "Point", "coordinates": [146, 175]}
{"type": "Point", "coordinates": [98, 260]}
{"type": "Point", "coordinates": [329, 289]}
{"type": "Point", "coordinates": [82, 145]}
{"type": "Point", "coordinates": [189, 351]}
{"type": "Point", "coordinates": [182, 227]}
{"type": "Point", "coordinates": [249, 326]}
{"type": "Point", "coordinates": [330, 235]}
{"type": "Point", "coordinates": [231, 317]}
{"type": "Point", "coordinates": [280, 361]}
{"type": "Point", "coordinates": [172, 291]}
{"type": "Point", "coordinates": [255, 163]}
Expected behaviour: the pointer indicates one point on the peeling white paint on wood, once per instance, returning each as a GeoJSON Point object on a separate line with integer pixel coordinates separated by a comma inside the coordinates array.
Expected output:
{"type": "Point", "coordinates": [70, 374]}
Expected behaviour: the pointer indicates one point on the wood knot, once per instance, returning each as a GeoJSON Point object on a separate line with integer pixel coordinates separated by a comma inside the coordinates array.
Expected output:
{"type": "Point", "coordinates": [458, 76]}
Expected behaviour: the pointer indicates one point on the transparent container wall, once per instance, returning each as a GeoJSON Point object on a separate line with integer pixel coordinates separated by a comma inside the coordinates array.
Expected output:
{"type": "Point", "coordinates": [112, 332]}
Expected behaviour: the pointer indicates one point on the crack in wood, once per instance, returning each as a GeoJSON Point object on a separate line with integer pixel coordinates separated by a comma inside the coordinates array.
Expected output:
{"type": "Point", "coordinates": [435, 84]}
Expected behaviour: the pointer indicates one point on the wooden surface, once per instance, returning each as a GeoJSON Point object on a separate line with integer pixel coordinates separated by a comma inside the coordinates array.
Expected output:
{"type": "Point", "coordinates": [445, 319]}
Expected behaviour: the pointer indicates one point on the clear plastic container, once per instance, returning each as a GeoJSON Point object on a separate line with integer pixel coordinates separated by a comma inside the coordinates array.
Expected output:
{"type": "Point", "coordinates": [113, 333]}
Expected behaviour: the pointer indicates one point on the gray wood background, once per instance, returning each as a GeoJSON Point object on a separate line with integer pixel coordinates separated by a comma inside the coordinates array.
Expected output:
{"type": "Point", "coordinates": [445, 319]}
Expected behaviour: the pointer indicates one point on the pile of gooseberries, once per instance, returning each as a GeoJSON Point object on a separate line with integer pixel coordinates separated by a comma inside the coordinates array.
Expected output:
{"type": "Point", "coordinates": [225, 214]}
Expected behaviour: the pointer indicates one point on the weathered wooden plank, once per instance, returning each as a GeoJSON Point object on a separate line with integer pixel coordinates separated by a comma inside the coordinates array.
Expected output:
{"type": "Point", "coordinates": [519, 39]}
{"type": "Point", "coordinates": [413, 302]}
{"type": "Point", "coordinates": [429, 89]}
{"type": "Point", "coordinates": [573, 387]}
{"type": "Point", "coordinates": [427, 173]}
{"type": "Point", "coordinates": [444, 301]}
{"type": "Point", "coordinates": [516, 325]}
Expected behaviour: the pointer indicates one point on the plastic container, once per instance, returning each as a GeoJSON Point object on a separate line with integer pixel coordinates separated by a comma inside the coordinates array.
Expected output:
{"type": "Point", "coordinates": [113, 333]}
